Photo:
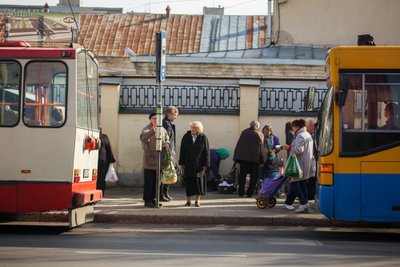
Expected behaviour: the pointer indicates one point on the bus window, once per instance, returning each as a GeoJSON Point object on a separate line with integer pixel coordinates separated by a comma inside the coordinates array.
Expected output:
{"type": "Point", "coordinates": [87, 98]}
{"type": "Point", "coordinates": [325, 125]}
{"type": "Point", "coordinates": [10, 73]}
{"type": "Point", "coordinates": [45, 94]}
{"type": "Point", "coordinates": [370, 116]}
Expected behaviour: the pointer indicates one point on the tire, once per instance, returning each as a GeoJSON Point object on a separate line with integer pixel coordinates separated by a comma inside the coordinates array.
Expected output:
{"type": "Point", "coordinates": [271, 202]}
{"type": "Point", "coordinates": [261, 202]}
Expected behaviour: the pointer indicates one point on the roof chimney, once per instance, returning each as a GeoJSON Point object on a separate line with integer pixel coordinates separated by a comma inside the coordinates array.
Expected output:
{"type": "Point", "coordinates": [46, 8]}
{"type": "Point", "coordinates": [168, 10]}
{"type": "Point", "coordinates": [213, 10]}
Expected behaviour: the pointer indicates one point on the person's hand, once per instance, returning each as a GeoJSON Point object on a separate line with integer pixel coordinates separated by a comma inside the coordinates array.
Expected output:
{"type": "Point", "coordinates": [286, 147]}
{"type": "Point", "coordinates": [167, 146]}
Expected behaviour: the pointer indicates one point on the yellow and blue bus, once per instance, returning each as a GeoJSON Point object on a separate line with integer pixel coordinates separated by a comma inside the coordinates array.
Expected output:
{"type": "Point", "coordinates": [359, 135]}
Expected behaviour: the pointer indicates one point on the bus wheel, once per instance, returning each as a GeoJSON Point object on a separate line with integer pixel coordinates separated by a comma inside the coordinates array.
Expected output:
{"type": "Point", "coordinates": [271, 202]}
{"type": "Point", "coordinates": [261, 202]}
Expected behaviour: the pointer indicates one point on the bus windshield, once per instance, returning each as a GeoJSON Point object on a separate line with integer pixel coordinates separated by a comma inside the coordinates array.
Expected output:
{"type": "Point", "coordinates": [325, 125]}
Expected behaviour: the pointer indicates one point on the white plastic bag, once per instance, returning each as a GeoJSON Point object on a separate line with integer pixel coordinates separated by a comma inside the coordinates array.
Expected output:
{"type": "Point", "coordinates": [111, 175]}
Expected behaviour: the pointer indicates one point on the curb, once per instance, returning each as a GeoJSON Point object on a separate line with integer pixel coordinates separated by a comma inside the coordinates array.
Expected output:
{"type": "Point", "coordinates": [196, 220]}
{"type": "Point", "coordinates": [204, 220]}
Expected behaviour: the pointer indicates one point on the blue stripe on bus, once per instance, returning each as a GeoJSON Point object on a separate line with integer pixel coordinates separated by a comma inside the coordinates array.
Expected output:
{"type": "Point", "coordinates": [375, 199]}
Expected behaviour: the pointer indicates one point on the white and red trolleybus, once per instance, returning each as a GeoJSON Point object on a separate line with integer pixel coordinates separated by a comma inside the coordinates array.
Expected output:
{"type": "Point", "coordinates": [48, 130]}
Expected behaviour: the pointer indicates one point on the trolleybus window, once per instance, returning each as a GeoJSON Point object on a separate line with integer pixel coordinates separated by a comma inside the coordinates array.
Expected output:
{"type": "Point", "coordinates": [10, 75]}
{"type": "Point", "coordinates": [87, 105]}
{"type": "Point", "coordinates": [370, 115]}
{"type": "Point", "coordinates": [45, 94]}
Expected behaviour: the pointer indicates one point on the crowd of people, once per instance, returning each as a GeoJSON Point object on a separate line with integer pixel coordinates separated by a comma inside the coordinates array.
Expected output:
{"type": "Point", "coordinates": [256, 152]}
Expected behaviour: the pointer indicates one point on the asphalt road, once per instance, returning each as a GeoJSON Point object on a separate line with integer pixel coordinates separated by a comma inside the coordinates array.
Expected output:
{"type": "Point", "coordinates": [163, 245]}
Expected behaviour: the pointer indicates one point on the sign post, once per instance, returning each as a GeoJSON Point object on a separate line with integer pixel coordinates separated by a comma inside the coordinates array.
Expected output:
{"type": "Point", "coordinates": [161, 38]}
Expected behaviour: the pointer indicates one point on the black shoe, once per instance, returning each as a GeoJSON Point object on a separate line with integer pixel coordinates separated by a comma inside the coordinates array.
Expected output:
{"type": "Point", "coordinates": [164, 199]}
{"type": "Point", "coordinates": [168, 197]}
{"type": "Point", "coordinates": [197, 204]}
{"type": "Point", "coordinates": [149, 205]}
{"type": "Point", "coordinates": [188, 204]}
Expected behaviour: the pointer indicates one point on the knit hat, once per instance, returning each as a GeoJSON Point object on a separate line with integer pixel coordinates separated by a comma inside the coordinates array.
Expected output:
{"type": "Point", "coordinates": [223, 153]}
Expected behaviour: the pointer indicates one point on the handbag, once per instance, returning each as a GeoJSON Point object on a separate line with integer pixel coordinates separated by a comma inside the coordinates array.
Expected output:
{"type": "Point", "coordinates": [111, 175]}
{"type": "Point", "coordinates": [169, 174]}
{"type": "Point", "coordinates": [293, 168]}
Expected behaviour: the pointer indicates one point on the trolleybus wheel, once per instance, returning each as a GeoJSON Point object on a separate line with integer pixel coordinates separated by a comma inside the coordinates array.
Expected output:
{"type": "Point", "coordinates": [261, 202]}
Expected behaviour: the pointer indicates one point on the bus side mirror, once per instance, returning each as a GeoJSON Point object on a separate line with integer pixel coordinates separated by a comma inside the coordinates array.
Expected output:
{"type": "Point", "coordinates": [309, 99]}
{"type": "Point", "coordinates": [341, 95]}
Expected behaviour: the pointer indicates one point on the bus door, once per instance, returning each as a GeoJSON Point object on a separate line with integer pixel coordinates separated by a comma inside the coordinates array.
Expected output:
{"type": "Point", "coordinates": [370, 145]}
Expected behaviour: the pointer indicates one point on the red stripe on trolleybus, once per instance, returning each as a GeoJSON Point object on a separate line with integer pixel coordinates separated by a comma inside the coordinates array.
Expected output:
{"type": "Point", "coordinates": [21, 197]}
{"type": "Point", "coordinates": [8, 197]}
{"type": "Point", "coordinates": [35, 197]}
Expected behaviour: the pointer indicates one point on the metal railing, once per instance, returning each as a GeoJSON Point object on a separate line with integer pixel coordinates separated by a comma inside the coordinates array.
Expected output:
{"type": "Point", "coordinates": [188, 99]}
{"type": "Point", "coordinates": [221, 100]}
{"type": "Point", "coordinates": [287, 101]}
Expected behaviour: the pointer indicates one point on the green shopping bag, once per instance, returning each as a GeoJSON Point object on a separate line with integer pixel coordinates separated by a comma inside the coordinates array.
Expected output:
{"type": "Point", "coordinates": [293, 168]}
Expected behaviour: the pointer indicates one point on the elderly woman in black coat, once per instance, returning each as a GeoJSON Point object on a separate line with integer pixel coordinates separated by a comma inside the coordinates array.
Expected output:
{"type": "Point", "coordinates": [194, 157]}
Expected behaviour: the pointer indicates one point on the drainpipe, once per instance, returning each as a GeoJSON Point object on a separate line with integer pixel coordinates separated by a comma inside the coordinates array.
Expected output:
{"type": "Point", "coordinates": [269, 26]}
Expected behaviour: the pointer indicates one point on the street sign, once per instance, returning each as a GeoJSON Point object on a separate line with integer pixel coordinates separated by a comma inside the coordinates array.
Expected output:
{"type": "Point", "coordinates": [161, 47]}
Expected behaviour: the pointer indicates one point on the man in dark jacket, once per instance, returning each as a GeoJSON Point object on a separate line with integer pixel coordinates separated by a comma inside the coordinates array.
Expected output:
{"type": "Point", "coordinates": [171, 113]}
{"type": "Point", "coordinates": [249, 153]}
{"type": "Point", "coordinates": [106, 157]}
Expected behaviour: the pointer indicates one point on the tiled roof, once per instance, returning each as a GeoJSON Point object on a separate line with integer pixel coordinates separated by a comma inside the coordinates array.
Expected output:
{"type": "Point", "coordinates": [110, 34]}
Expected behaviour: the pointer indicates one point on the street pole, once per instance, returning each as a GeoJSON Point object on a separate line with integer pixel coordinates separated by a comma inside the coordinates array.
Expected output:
{"type": "Point", "coordinates": [160, 73]}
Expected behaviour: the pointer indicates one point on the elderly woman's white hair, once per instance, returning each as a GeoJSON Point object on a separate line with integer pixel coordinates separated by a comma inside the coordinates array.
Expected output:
{"type": "Point", "coordinates": [310, 121]}
{"type": "Point", "coordinates": [255, 124]}
{"type": "Point", "coordinates": [197, 124]}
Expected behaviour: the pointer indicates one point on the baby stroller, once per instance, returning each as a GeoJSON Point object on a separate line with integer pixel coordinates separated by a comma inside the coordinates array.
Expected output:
{"type": "Point", "coordinates": [229, 185]}
{"type": "Point", "coordinates": [268, 189]}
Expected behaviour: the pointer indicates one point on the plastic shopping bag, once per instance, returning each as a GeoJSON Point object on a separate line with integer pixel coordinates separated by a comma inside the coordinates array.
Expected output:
{"type": "Point", "coordinates": [169, 174]}
{"type": "Point", "coordinates": [111, 175]}
{"type": "Point", "coordinates": [293, 168]}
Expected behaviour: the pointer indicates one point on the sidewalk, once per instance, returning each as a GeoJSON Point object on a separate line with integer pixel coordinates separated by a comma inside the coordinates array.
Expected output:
{"type": "Point", "coordinates": [122, 205]}
{"type": "Point", "coordinates": [125, 205]}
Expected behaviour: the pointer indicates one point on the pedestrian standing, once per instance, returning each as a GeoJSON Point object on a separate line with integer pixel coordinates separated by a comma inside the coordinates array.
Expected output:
{"type": "Point", "coordinates": [271, 141]}
{"type": "Point", "coordinates": [171, 113]}
{"type": "Point", "coordinates": [289, 134]}
{"type": "Point", "coordinates": [194, 159]}
{"type": "Point", "coordinates": [312, 181]}
{"type": "Point", "coordinates": [249, 153]}
{"type": "Point", "coordinates": [106, 157]}
{"type": "Point", "coordinates": [150, 159]}
{"type": "Point", "coordinates": [302, 148]}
